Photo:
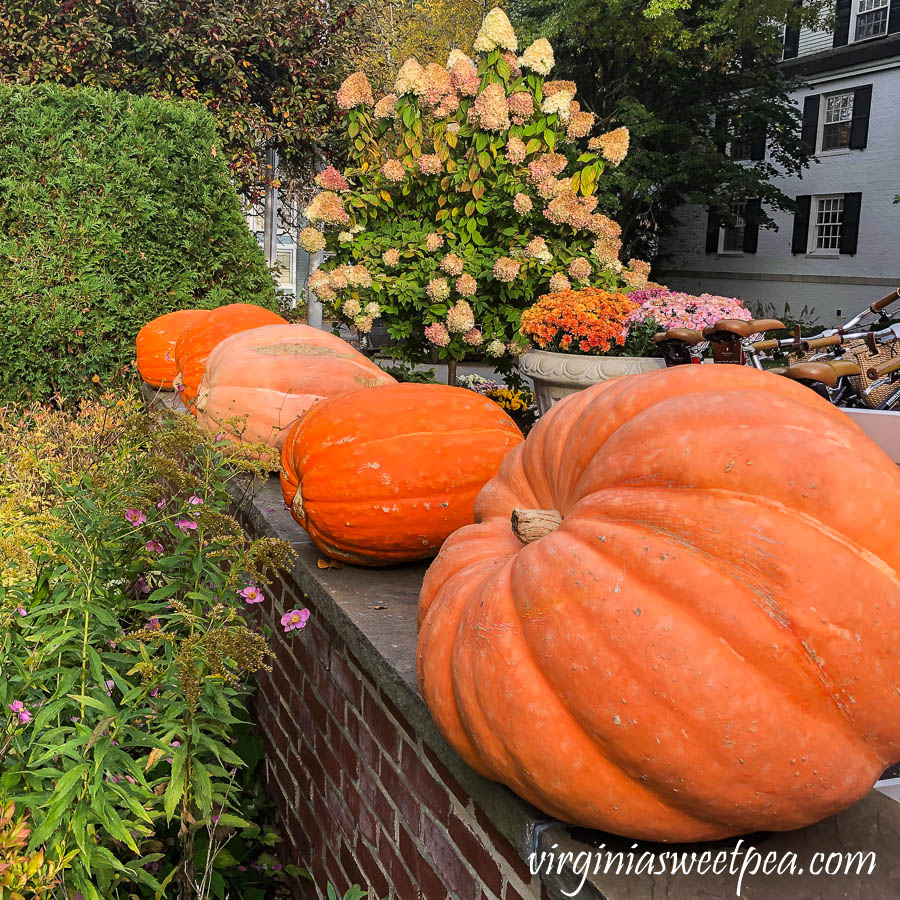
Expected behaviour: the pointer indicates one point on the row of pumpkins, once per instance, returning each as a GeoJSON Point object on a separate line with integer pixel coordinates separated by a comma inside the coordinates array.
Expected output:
{"type": "Point", "coordinates": [672, 613]}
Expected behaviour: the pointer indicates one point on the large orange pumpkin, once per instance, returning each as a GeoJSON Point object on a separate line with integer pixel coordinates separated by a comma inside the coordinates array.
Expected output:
{"type": "Point", "coordinates": [691, 630]}
{"type": "Point", "coordinates": [156, 345]}
{"type": "Point", "coordinates": [196, 342]}
{"type": "Point", "coordinates": [267, 377]}
{"type": "Point", "coordinates": [382, 476]}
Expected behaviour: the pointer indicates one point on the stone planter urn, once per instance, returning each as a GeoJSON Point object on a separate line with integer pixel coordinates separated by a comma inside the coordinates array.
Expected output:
{"type": "Point", "coordinates": [555, 375]}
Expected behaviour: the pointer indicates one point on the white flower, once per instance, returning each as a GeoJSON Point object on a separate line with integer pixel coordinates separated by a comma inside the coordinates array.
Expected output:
{"type": "Point", "coordinates": [538, 57]}
{"type": "Point", "coordinates": [559, 104]}
{"type": "Point", "coordinates": [345, 237]}
{"type": "Point", "coordinates": [455, 56]}
{"type": "Point", "coordinates": [496, 31]}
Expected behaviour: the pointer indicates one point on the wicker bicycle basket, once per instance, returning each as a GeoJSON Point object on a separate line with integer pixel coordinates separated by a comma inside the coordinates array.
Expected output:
{"type": "Point", "coordinates": [858, 351]}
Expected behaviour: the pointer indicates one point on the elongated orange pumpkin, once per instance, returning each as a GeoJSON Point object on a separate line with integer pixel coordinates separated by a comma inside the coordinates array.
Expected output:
{"type": "Point", "coordinates": [156, 346]}
{"type": "Point", "coordinates": [678, 614]}
{"type": "Point", "coordinates": [384, 475]}
{"type": "Point", "coordinates": [257, 383]}
{"type": "Point", "coordinates": [196, 342]}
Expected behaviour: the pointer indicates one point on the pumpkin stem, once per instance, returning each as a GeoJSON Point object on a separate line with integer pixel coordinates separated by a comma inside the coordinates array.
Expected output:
{"type": "Point", "coordinates": [532, 524]}
{"type": "Point", "coordinates": [200, 400]}
{"type": "Point", "coordinates": [297, 504]}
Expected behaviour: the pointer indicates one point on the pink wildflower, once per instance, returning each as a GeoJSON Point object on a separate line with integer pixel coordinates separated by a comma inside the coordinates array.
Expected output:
{"type": "Point", "coordinates": [295, 619]}
{"type": "Point", "coordinates": [155, 546]}
{"type": "Point", "coordinates": [252, 594]}
{"type": "Point", "coordinates": [186, 525]}
{"type": "Point", "coordinates": [135, 517]}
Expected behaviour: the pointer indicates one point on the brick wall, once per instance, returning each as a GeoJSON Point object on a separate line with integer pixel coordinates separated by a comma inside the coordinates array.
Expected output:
{"type": "Point", "coordinates": [360, 798]}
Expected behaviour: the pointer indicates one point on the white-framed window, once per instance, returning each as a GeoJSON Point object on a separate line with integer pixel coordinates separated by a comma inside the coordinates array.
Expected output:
{"type": "Point", "coordinates": [836, 119]}
{"type": "Point", "coordinates": [731, 237]}
{"type": "Point", "coordinates": [871, 19]}
{"type": "Point", "coordinates": [827, 219]}
{"type": "Point", "coordinates": [285, 268]}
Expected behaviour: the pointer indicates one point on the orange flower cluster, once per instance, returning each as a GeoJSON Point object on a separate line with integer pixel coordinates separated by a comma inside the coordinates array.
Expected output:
{"type": "Point", "coordinates": [587, 321]}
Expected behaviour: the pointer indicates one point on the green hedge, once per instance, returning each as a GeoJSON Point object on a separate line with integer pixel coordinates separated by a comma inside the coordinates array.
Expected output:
{"type": "Point", "coordinates": [114, 209]}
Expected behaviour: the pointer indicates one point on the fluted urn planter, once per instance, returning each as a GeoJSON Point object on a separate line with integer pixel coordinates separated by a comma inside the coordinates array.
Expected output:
{"type": "Point", "coordinates": [555, 375]}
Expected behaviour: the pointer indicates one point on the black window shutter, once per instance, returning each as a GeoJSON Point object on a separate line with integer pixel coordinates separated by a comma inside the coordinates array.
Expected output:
{"type": "Point", "coordinates": [809, 131]}
{"type": "Point", "coordinates": [758, 142]}
{"type": "Point", "coordinates": [720, 122]}
{"type": "Point", "coordinates": [752, 215]}
{"type": "Point", "coordinates": [800, 239]}
{"type": "Point", "coordinates": [842, 23]}
{"type": "Point", "coordinates": [894, 20]}
{"type": "Point", "coordinates": [712, 233]}
{"type": "Point", "coordinates": [791, 42]}
{"type": "Point", "coordinates": [850, 223]}
{"type": "Point", "coordinates": [859, 126]}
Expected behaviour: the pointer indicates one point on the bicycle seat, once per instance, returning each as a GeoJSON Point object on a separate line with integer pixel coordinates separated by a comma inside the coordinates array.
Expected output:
{"type": "Point", "coordinates": [737, 327]}
{"type": "Point", "coordinates": [765, 325]}
{"type": "Point", "coordinates": [778, 370]}
{"type": "Point", "coordinates": [826, 373]}
{"type": "Point", "coordinates": [688, 335]}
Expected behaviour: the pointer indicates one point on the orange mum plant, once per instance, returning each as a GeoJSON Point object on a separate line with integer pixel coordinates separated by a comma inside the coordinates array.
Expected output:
{"type": "Point", "coordinates": [590, 321]}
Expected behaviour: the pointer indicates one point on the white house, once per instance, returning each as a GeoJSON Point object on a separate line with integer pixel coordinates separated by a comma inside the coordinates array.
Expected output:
{"type": "Point", "coordinates": [841, 249]}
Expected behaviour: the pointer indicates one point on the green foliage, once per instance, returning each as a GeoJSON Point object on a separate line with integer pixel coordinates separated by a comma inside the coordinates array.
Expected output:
{"type": "Point", "coordinates": [113, 210]}
{"type": "Point", "coordinates": [265, 71]}
{"type": "Point", "coordinates": [687, 77]}
{"type": "Point", "coordinates": [807, 319]}
{"type": "Point", "coordinates": [126, 652]}
{"type": "Point", "coordinates": [456, 214]}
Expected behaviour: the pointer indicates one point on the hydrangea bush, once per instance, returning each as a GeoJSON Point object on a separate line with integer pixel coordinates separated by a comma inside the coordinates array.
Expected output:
{"type": "Point", "coordinates": [469, 191]}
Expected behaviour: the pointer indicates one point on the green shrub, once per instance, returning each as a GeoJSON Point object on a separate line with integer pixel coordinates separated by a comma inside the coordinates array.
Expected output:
{"type": "Point", "coordinates": [114, 209]}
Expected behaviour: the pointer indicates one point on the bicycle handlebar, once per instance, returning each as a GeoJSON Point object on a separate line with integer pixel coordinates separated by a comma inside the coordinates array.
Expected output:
{"type": "Point", "coordinates": [879, 305]}
{"type": "Point", "coordinates": [885, 368]}
{"type": "Point", "coordinates": [831, 341]}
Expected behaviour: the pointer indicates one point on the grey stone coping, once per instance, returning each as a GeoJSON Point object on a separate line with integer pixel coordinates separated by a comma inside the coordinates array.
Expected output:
{"type": "Point", "coordinates": [374, 612]}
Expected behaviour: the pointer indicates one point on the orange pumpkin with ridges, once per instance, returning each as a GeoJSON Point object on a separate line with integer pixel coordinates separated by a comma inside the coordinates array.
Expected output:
{"type": "Point", "coordinates": [196, 342]}
{"type": "Point", "coordinates": [384, 475]}
{"type": "Point", "coordinates": [678, 614]}
{"type": "Point", "coordinates": [156, 346]}
{"type": "Point", "coordinates": [268, 377]}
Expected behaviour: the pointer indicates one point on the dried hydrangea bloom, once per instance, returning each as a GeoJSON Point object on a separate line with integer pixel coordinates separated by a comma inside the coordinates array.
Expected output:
{"type": "Point", "coordinates": [567, 208]}
{"type": "Point", "coordinates": [358, 276]}
{"type": "Point", "coordinates": [393, 170]}
{"type": "Point", "coordinates": [490, 108]}
{"type": "Point", "coordinates": [547, 165]}
{"type": "Point", "coordinates": [637, 273]}
{"type": "Point", "coordinates": [411, 79]}
{"type": "Point", "coordinates": [437, 80]}
{"type": "Point", "coordinates": [506, 269]}
{"type": "Point", "coordinates": [452, 264]}
{"type": "Point", "coordinates": [538, 57]}
{"type": "Point", "coordinates": [495, 348]}
{"type": "Point", "coordinates": [351, 308]}
{"type": "Point", "coordinates": [613, 145]}
{"type": "Point", "coordinates": [390, 257]}
{"type": "Point", "coordinates": [355, 91]}
{"type": "Point", "coordinates": [464, 76]}
{"type": "Point", "coordinates": [460, 318]}
{"type": "Point", "coordinates": [325, 292]}
{"type": "Point", "coordinates": [557, 104]}
{"type": "Point", "coordinates": [559, 282]}
{"type": "Point", "coordinates": [496, 31]}
{"type": "Point", "coordinates": [318, 279]}
{"type": "Point", "coordinates": [522, 204]}
{"type": "Point", "coordinates": [559, 86]}
{"type": "Point", "coordinates": [548, 188]}
{"type": "Point", "coordinates": [580, 124]}
{"type": "Point", "coordinates": [386, 107]}
{"type": "Point", "coordinates": [520, 104]}
{"type": "Point", "coordinates": [473, 337]}
{"type": "Point", "coordinates": [430, 164]}
{"type": "Point", "coordinates": [438, 289]}
{"type": "Point", "coordinates": [466, 285]}
{"type": "Point", "coordinates": [327, 207]}
{"type": "Point", "coordinates": [455, 56]}
{"type": "Point", "coordinates": [337, 278]}
{"type": "Point", "coordinates": [331, 180]}
{"type": "Point", "coordinates": [364, 324]}
{"type": "Point", "coordinates": [515, 151]}
{"type": "Point", "coordinates": [607, 248]}
{"type": "Point", "coordinates": [537, 249]}
{"type": "Point", "coordinates": [434, 241]}
{"type": "Point", "coordinates": [373, 310]}
{"type": "Point", "coordinates": [514, 348]}
{"type": "Point", "coordinates": [453, 127]}
{"type": "Point", "coordinates": [580, 269]}
{"type": "Point", "coordinates": [312, 240]}
{"type": "Point", "coordinates": [437, 334]}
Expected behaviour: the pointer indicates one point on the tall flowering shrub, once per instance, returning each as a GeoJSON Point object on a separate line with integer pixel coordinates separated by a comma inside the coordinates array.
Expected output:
{"type": "Point", "coordinates": [470, 190]}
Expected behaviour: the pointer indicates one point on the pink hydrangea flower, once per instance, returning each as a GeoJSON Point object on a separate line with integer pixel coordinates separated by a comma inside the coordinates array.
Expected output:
{"type": "Point", "coordinates": [473, 337]}
{"type": "Point", "coordinates": [295, 619]}
{"type": "Point", "coordinates": [466, 285]}
{"type": "Point", "coordinates": [522, 203]}
{"type": "Point", "coordinates": [437, 334]}
{"type": "Point", "coordinates": [135, 517]}
{"type": "Point", "coordinates": [330, 179]}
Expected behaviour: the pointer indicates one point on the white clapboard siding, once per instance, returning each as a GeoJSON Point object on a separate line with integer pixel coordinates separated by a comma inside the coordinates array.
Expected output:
{"type": "Point", "coordinates": [814, 41]}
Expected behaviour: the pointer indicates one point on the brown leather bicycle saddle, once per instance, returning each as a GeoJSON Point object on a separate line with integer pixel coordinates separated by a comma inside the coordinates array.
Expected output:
{"type": "Point", "coordinates": [826, 373]}
{"type": "Point", "coordinates": [688, 335]}
{"type": "Point", "coordinates": [741, 327]}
